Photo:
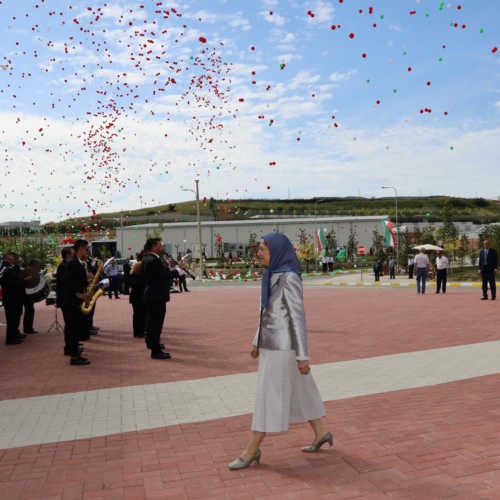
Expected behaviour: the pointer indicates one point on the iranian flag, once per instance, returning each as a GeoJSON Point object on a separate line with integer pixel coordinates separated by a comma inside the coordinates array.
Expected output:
{"type": "Point", "coordinates": [320, 235]}
{"type": "Point", "coordinates": [390, 238]}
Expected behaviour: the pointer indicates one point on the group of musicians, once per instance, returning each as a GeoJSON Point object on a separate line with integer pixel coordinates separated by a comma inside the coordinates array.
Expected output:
{"type": "Point", "coordinates": [14, 281]}
{"type": "Point", "coordinates": [150, 282]}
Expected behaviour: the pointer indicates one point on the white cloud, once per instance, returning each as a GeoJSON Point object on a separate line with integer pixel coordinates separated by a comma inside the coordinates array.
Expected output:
{"type": "Point", "coordinates": [275, 18]}
{"type": "Point", "coordinates": [323, 12]}
{"type": "Point", "coordinates": [342, 77]}
{"type": "Point", "coordinates": [238, 22]}
{"type": "Point", "coordinates": [394, 27]}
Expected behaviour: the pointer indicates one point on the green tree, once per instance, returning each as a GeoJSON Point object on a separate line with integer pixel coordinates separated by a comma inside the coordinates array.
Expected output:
{"type": "Point", "coordinates": [352, 242]}
{"type": "Point", "coordinates": [429, 235]}
{"type": "Point", "coordinates": [490, 232]}
{"type": "Point", "coordinates": [463, 248]}
{"type": "Point", "coordinates": [252, 243]}
{"type": "Point", "coordinates": [405, 249]}
{"type": "Point", "coordinates": [448, 232]}
{"type": "Point", "coordinates": [219, 250]}
{"type": "Point", "coordinates": [331, 242]}
{"type": "Point", "coordinates": [378, 245]}
{"type": "Point", "coordinates": [306, 249]}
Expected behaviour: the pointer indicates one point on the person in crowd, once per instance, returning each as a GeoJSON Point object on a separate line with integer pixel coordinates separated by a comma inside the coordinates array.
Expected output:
{"type": "Point", "coordinates": [112, 273]}
{"type": "Point", "coordinates": [182, 277]}
{"type": "Point", "coordinates": [126, 276]}
{"type": "Point", "coordinates": [488, 263]}
{"type": "Point", "coordinates": [392, 269]}
{"type": "Point", "coordinates": [330, 264]}
{"type": "Point", "coordinates": [29, 303]}
{"type": "Point", "coordinates": [157, 276]}
{"type": "Point", "coordinates": [324, 264]}
{"type": "Point", "coordinates": [421, 267]}
{"type": "Point", "coordinates": [377, 269]}
{"type": "Point", "coordinates": [13, 295]}
{"type": "Point", "coordinates": [411, 265]}
{"type": "Point", "coordinates": [286, 391]}
{"type": "Point", "coordinates": [136, 298]}
{"type": "Point", "coordinates": [67, 254]}
{"type": "Point", "coordinates": [75, 288]}
{"type": "Point", "coordinates": [442, 266]}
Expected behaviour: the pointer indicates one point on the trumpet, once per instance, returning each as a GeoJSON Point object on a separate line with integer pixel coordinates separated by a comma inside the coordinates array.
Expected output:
{"type": "Point", "coordinates": [96, 288]}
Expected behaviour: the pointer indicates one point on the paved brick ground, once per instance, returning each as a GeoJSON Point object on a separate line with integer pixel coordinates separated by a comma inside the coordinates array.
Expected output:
{"type": "Point", "coordinates": [437, 442]}
{"type": "Point", "coordinates": [434, 442]}
{"type": "Point", "coordinates": [209, 332]}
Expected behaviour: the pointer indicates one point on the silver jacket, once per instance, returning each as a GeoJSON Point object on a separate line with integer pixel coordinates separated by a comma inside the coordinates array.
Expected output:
{"type": "Point", "coordinates": [283, 321]}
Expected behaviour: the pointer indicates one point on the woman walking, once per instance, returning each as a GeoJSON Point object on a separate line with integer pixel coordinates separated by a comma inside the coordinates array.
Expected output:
{"type": "Point", "coordinates": [286, 391]}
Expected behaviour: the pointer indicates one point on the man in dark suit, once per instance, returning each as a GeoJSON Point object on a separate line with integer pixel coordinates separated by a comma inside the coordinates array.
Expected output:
{"type": "Point", "coordinates": [75, 286]}
{"type": "Point", "coordinates": [67, 254]}
{"type": "Point", "coordinates": [14, 292]}
{"type": "Point", "coordinates": [488, 263]}
{"type": "Point", "coordinates": [157, 278]}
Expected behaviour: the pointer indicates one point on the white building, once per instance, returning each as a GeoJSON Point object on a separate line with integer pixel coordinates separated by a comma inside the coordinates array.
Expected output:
{"type": "Point", "coordinates": [179, 237]}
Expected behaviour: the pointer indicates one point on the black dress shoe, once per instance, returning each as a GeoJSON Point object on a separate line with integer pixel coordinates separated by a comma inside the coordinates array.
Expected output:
{"type": "Point", "coordinates": [160, 355]}
{"type": "Point", "coordinates": [67, 351]}
{"type": "Point", "coordinates": [21, 336]}
{"type": "Point", "coordinates": [93, 327]}
{"type": "Point", "coordinates": [484, 298]}
{"type": "Point", "coordinates": [78, 361]}
{"type": "Point", "coordinates": [161, 346]}
{"type": "Point", "coordinates": [92, 332]}
{"type": "Point", "coordinates": [14, 341]}
{"type": "Point", "coordinates": [140, 336]}
{"type": "Point", "coordinates": [31, 331]}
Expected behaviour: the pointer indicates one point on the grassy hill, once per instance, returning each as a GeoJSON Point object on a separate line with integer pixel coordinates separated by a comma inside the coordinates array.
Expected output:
{"type": "Point", "coordinates": [409, 208]}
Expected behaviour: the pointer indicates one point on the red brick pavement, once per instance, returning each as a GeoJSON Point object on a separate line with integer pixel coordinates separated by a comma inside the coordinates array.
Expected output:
{"type": "Point", "coordinates": [209, 332]}
{"type": "Point", "coordinates": [436, 442]}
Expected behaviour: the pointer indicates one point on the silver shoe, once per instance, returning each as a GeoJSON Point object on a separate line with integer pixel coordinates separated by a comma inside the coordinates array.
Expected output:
{"type": "Point", "coordinates": [313, 448]}
{"type": "Point", "coordinates": [239, 463]}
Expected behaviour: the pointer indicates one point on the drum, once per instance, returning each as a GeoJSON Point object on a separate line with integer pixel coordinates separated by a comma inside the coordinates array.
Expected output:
{"type": "Point", "coordinates": [40, 291]}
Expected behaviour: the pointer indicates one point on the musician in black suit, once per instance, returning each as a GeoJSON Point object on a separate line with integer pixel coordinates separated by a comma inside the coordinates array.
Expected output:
{"type": "Point", "coordinates": [67, 254]}
{"type": "Point", "coordinates": [488, 263]}
{"type": "Point", "coordinates": [157, 279]}
{"type": "Point", "coordinates": [75, 286]}
{"type": "Point", "coordinates": [14, 292]}
{"type": "Point", "coordinates": [29, 302]}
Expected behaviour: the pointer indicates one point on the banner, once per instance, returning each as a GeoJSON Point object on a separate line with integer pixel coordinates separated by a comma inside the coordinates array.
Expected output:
{"type": "Point", "coordinates": [390, 238]}
{"type": "Point", "coordinates": [320, 235]}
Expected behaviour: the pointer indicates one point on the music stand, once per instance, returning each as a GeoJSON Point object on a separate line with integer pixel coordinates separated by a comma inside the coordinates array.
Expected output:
{"type": "Point", "coordinates": [56, 326]}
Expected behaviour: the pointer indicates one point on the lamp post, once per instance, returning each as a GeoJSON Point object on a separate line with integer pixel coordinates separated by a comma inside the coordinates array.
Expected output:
{"type": "Point", "coordinates": [198, 218]}
{"type": "Point", "coordinates": [315, 216]}
{"type": "Point", "coordinates": [121, 233]}
{"type": "Point", "coordinates": [397, 230]}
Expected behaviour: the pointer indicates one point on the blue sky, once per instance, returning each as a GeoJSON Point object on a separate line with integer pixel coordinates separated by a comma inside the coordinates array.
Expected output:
{"type": "Point", "coordinates": [117, 105]}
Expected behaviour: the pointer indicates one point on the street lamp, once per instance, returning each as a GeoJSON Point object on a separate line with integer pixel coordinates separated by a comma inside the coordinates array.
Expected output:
{"type": "Point", "coordinates": [397, 230]}
{"type": "Point", "coordinates": [198, 218]}
{"type": "Point", "coordinates": [315, 213]}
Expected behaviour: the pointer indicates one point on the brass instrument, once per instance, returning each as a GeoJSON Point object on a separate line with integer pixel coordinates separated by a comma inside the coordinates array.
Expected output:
{"type": "Point", "coordinates": [96, 288]}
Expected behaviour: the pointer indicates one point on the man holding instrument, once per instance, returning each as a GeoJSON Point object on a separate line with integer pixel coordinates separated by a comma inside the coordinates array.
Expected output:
{"type": "Point", "coordinates": [14, 292]}
{"type": "Point", "coordinates": [75, 287]}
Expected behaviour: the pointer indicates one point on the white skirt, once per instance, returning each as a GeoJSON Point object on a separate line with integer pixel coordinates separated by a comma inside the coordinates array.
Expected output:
{"type": "Point", "coordinates": [284, 395]}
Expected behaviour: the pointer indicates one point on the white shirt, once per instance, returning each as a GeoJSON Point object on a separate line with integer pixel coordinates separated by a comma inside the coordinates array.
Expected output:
{"type": "Point", "coordinates": [421, 261]}
{"type": "Point", "coordinates": [442, 263]}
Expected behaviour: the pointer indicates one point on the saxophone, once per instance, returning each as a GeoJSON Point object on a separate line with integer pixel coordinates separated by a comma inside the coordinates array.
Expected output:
{"type": "Point", "coordinates": [95, 289]}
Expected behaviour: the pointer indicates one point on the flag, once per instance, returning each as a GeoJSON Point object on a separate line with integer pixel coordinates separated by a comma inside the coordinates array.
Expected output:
{"type": "Point", "coordinates": [320, 235]}
{"type": "Point", "coordinates": [390, 239]}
